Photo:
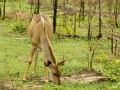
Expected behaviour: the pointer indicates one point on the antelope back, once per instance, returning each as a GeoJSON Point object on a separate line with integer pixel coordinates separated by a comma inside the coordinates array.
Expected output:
{"type": "Point", "coordinates": [38, 27]}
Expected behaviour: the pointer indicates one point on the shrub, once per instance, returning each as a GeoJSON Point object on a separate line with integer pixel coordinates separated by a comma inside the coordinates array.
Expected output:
{"type": "Point", "coordinates": [19, 27]}
{"type": "Point", "coordinates": [110, 68]}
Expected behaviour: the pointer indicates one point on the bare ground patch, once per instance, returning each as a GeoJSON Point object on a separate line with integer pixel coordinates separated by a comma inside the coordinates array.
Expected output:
{"type": "Point", "coordinates": [85, 76]}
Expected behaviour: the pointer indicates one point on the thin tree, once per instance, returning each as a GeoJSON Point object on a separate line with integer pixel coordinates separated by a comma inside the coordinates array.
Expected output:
{"type": "Point", "coordinates": [64, 3]}
{"type": "Point", "coordinates": [116, 24]}
{"type": "Point", "coordinates": [79, 12]}
{"type": "Point", "coordinates": [36, 11]}
{"type": "Point", "coordinates": [74, 35]}
{"type": "Point", "coordinates": [92, 56]}
{"type": "Point", "coordinates": [112, 40]}
{"type": "Point", "coordinates": [89, 25]}
{"type": "Point", "coordinates": [110, 6]}
{"type": "Point", "coordinates": [116, 13]}
{"type": "Point", "coordinates": [83, 7]}
{"type": "Point", "coordinates": [4, 9]}
{"type": "Point", "coordinates": [89, 20]}
{"type": "Point", "coordinates": [100, 21]}
{"type": "Point", "coordinates": [38, 7]}
{"type": "Point", "coordinates": [55, 15]}
{"type": "Point", "coordinates": [0, 10]}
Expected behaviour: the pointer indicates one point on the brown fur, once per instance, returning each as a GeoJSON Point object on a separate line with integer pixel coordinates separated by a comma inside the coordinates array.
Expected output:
{"type": "Point", "coordinates": [41, 30]}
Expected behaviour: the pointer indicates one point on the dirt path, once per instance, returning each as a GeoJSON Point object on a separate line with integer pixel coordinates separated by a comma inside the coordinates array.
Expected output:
{"type": "Point", "coordinates": [84, 78]}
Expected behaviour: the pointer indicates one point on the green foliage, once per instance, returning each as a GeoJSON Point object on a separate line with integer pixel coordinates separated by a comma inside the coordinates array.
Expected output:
{"type": "Point", "coordinates": [63, 30]}
{"type": "Point", "coordinates": [19, 28]}
{"type": "Point", "coordinates": [110, 68]}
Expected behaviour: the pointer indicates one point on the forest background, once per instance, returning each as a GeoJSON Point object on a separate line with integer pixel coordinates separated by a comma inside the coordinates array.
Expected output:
{"type": "Point", "coordinates": [86, 34]}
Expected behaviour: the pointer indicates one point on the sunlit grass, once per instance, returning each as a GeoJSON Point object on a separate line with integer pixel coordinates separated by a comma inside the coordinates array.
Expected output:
{"type": "Point", "coordinates": [15, 51]}
{"type": "Point", "coordinates": [14, 54]}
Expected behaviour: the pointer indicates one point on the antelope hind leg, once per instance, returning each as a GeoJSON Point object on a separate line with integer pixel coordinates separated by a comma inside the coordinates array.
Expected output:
{"type": "Point", "coordinates": [36, 57]}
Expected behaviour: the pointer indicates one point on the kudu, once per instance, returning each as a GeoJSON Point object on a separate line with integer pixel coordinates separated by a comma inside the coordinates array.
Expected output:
{"type": "Point", "coordinates": [40, 31]}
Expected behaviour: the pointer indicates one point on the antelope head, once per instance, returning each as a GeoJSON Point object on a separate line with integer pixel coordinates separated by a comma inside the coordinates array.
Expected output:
{"type": "Point", "coordinates": [54, 72]}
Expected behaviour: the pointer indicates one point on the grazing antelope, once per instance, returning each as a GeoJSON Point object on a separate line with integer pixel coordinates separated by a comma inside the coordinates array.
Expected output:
{"type": "Point", "coordinates": [41, 30]}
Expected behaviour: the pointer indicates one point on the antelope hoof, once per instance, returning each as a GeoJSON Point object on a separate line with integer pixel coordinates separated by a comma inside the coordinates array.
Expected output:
{"type": "Point", "coordinates": [33, 72]}
{"type": "Point", "coordinates": [46, 81]}
{"type": "Point", "coordinates": [24, 80]}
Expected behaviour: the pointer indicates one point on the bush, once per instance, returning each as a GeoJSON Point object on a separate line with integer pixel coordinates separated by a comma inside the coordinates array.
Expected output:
{"type": "Point", "coordinates": [110, 68]}
{"type": "Point", "coordinates": [19, 27]}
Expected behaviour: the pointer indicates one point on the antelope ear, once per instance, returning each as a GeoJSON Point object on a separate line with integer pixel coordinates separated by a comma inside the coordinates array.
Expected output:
{"type": "Point", "coordinates": [61, 63]}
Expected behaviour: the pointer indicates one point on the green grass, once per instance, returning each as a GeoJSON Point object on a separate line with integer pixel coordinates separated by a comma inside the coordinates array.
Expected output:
{"type": "Point", "coordinates": [14, 54]}
{"type": "Point", "coordinates": [77, 86]}
{"type": "Point", "coordinates": [15, 50]}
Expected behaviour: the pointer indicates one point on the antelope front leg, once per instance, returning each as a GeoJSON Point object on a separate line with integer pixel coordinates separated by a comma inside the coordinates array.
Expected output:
{"type": "Point", "coordinates": [46, 72]}
{"type": "Point", "coordinates": [29, 62]}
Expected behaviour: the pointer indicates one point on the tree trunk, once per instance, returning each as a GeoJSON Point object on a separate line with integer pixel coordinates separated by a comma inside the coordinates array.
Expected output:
{"type": "Point", "coordinates": [112, 45]}
{"type": "Point", "coordinates": [55, 15]}
{"type": "Point", "coordinates": [89, 27]}
{"type": "Point", "coordinates": [74, 35]}
{"type": "Point", "coordinates": [89, 24]}
{"type": "Point", "coordinates": [0, 10]}
{"type": "Point", "coordinates": [4, 10]}
{"type": "Point", "coordinates": [64, 3]}
{"type": "Point", "coordinates": [116, 13]}
{"type": "Point", "coordinates": [79, 13]}
{"type": "Point", "coordinates": [100, 21]}
{"type": "Point", "coordinates": [110, 6]}
{"type": "Point", "coordinates": [116, 45]}
{"type": "Point", "coordinates": [83, 6]}
{"type": "Point", "coordinates": [38, 7]}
